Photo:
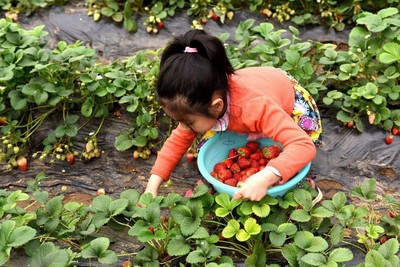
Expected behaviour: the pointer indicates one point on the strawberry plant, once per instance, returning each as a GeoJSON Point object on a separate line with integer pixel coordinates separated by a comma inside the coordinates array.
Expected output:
{"type": "Point", "coordinates": [203, 229]}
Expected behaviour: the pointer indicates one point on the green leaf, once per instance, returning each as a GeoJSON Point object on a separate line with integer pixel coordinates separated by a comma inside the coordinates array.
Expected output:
{"type": "Point", "coordinates": [389, 248]}
{"type": "Point", "coordinates": [340, 255]}
{"type": "Point", "coordinates": [117, 206]}
{"type": "Point", "coordinates": [196, 256]}
{"type": "Point", "coordinates": [101, 203]}
{"type": "Point", "coordinates": [307, 241]}
{"type": "Point", "coordinates": [231, 228]}
{"type": "Point", "coordinates": [277, 239]}
{"type": "Point", "coordinates": [242, 235]}
{"type": "Point", "coordinates": [290, 252]}
{"type": "Point", "coordinates": [391, 54]}
{"type": "Point", "coordinates": [49, 255]}
{"type": "Point", "coordinates": [261, 210]}
{"type": "Point", "coordinates": [322, 212]}
{"type": "Point", "coordinates": [178, 247]}
{"type": "Point", "coordinates": [374, 259]}
{"type": "Point", "coordinates": [314, 259]}
{"type": "Point", "coordinates": [123, 142]}
{"type": "Point", "coordinates": [300, 215]}
{"type": "Point", "coordinates": [252, 227]}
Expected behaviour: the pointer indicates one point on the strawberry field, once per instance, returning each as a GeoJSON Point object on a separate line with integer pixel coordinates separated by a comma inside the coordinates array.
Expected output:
{"type": "Point", "coordinates": [80, 129]}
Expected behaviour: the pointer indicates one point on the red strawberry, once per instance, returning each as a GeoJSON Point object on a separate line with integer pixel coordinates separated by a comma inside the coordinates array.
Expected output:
{"type": "Point", "coordinates": [22, 164]}
{"type": "Point", "coordinates": [253, 145]}
{"type": "Point", "coordinates": [254, 164]}
{"type": "Point", "coordinates": [271, 152]}
{"type": "Point", "coordinates": [243, 163]}
{"type": "Point", "coordinates": [126, 264]}
{"type": "Point", "coordinates": [251, 171]}
{"type": "Point", "coordinates": [151, 229]}
{"type": "Point", "coordinates": [256, 156]}
{"type": "Point", "coordinates": [229, 163]}
{"type": "Point", "coordinates": [236, 176]}
{"type": "Point", "coordinates": [231, 182]}
{"type": "Point", "coordinates": [189, 193]}
{"type": "Point", "coordinates": [232, 153]}
{"type": "Point", "coordinates": [383, 239]}
{"type": "Point", "coordinates": [220, 166]}
{"type": "Point", "coordinates": [235, 168]}
{"type": "Point", "coordinates": [160, 25]}
{"type": "Point", "coordinates": [349, 124]}
{"type": "Point", "coordinates": [263, 161]}
{"type": "Point", "coordinates": [224, 174]}
{"type": "Point", "coordinates": [244, 152]}
{"type": "Point", "coordinates": [261, 167]}
{"type": "Point", "coordinates": [389, 139]}
{"type": "Point", "coordinates": [190, 157]}
{"type": "Point", "coordinates": [395, 131]}
{"type": "Point", "coordinates": [214, 174]}
{"type": "Point", "coordinates": [204, 20]}
{"type": "Point", "coordinates": [70, 158]}
{"type": "Point", "coordinates": [214, 16]}
{"type": "Point", "coordinates": [392, 215]}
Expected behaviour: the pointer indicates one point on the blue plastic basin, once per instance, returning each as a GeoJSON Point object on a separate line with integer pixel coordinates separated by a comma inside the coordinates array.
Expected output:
{"type": "Point", "coordinates": [216, 149]}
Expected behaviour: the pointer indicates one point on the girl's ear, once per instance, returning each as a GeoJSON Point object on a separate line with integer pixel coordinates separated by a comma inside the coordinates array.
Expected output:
{"type": "Point", "coordinates": [217, 107]}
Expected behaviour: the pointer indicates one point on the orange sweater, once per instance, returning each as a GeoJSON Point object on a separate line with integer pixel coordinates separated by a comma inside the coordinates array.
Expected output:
{"type": "Point", "coordinates": [261, 101]}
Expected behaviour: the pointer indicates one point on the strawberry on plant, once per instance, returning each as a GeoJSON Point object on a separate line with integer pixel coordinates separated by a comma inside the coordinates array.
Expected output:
{"type": "Point", "coordinates": [271, 152]}
{"type": "Point", "coordinates": [389, 139]}
{"type": "Point", "coordinates": [383, 239]}
{"type": "Point", "coordinates": [253, 145]}
{"type": "Point", "coordinates": [126, 264]}
{"type": "Point", "coordinates": [244, 152]}
{"type": "Point", "coordinates": [214, 16]}
{"type": "Point", "coordinates": [160, 25]}
{"type": "Point", "coordinates": [22, 164]}
{"type": "Point", "coordinates": [151, 229]}
{"type": "Point", "coordinates": [70, 158]}
{"type": "Point", "coordinates": [190, 157]}
{"type": "Point", "coordinates": [189, 193]}
{"type": "Point", "coordinates": [203, 20]}
{"type": "Point", "coordinates": [395, 131]}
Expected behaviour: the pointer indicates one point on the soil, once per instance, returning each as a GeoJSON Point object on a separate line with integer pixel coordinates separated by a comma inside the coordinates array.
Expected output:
{"type": "Point", "coordinates": [343, 162]}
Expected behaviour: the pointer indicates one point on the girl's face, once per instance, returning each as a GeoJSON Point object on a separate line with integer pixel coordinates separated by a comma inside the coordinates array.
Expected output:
{"type": "Point", "coordinates": [195, 122]}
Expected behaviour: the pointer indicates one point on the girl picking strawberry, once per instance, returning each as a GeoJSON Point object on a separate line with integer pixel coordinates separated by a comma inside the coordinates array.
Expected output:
{"type": "Point", "coordinates": [198, 87]}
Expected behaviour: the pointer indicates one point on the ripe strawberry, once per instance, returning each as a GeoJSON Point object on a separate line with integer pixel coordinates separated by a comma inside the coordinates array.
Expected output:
{"type": "Point", "coordinates": [236, 176]}
{"type": "Point", "coordinates": [231, 182]}
{"type": "Point", "coordinates": [395, 131]}
{"type": "Point", "coordinates": [203, 20]}
{"type": "Point", "coordinates": [229, 162]}
{"type": "Point", "coordinates": [263, 161]}
{"type": "Point", "coordinates": [244, 152]}
{"type": "Point", "coordinates": [151, 229]}
{"type": "Point", "coordinates": [190, 157]}
{"type": "Point", "coordinates": [243, 163]}
{"type": "Point", "coordinates": [254, 164]}
{"type": "Point", "coordinates": [256, 156]}
{"type": "Point", "coordinates": [224, 174]}
{"type": "Point", "coordinates": [189, 193]}
{"type": "Point", "coordinates": [126, 264]}
{"type": "Point", "coordinates": [235, 168]}
{"type": "Point", "coordinates": [392, 215]}
{"type": "Point", "coordinates": [271, 152]}
{"type": "Point", "coordinates": [160, 25]}
{"type": "Point", "coordinates": [214, 174]}
{"type": "Point", "coordinates": [22, 164]}
{"type": "Point", "coordinates": [220, 166]}
{"type": "Point", "coordinates": [232, 153]}
{"type": "Point", "coordinates": [251, 171]}
{"type": "Point", "coordinates": [383, 239]}
{"type": "Point", "coordinates": [253, 145]}
{"type": "Point", "coordinates": [214, 16]}
{"type": "Point", "coordinates": [261, 167]}
{"type": "Point", "coordinates": [70, 158]}
{"type": "Point", "coordinates": [389, 139]}
{"type": "Point", "coordinates": [349, 124]}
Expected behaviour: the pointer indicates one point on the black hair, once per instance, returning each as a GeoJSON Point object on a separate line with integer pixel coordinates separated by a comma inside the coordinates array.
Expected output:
{"type": "Point", "coordinates": [187, 81]}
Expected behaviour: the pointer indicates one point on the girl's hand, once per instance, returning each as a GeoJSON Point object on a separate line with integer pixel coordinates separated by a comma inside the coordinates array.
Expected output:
{"type": "Point", "coordinates": [256, 186]}
{"type": "Point", "coordinates": [154, 184]}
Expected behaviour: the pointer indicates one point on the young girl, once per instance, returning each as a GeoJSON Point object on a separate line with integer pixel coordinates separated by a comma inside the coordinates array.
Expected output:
{"type": "Point", "coordinates": [198, 87]}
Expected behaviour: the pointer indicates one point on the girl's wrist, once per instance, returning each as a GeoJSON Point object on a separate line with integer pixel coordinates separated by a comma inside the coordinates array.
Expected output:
{"type": "Point", "coordinates": [270, 178]}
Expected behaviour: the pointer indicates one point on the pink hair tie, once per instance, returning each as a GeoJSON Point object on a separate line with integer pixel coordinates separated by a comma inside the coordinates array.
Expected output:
{"type": "Point", "coordinates": [189, 49]}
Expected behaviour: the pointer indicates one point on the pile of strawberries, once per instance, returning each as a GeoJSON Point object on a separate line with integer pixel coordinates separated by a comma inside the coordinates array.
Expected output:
{"type": "Point", "coordinates": [243, 162]}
